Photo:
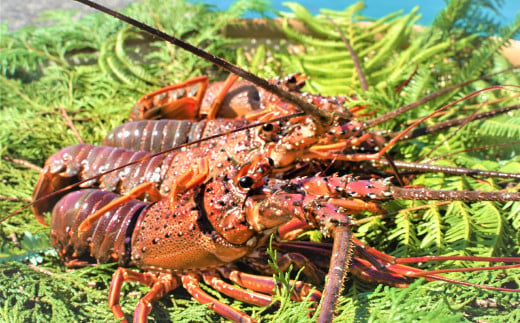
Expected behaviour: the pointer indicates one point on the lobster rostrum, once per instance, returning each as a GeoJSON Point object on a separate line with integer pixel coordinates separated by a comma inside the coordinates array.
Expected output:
{"type": "Point", "coordinates": [285, 144]}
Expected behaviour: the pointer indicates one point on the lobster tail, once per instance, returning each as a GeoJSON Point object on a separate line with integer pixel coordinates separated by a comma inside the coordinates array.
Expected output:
{"type": "Point", "coordinates": [83, 164]}
{"type": "Point", "coordinates": [108, 240]}
{"type": "Point", "coordinates": [60, 171]}
{"type": "Point", "coordinates": [159, 135]}
{"type": "Point", "coordinates": [153, 135]}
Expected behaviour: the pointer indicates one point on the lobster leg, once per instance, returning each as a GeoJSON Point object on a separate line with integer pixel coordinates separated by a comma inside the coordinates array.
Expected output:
{"type": "Point", "coordinates": [215, 106]}
{"type": "Point", "coordinates": [147, 187]}
{"type": "Point", "coordinates": [191, 284]}
{"type": "Point", "coordinates": [285, 259]}
{"type": "Point", "coordinates": [179, 101]}
{"type": "Point", "coordinates": [268, 285]}
{"type": "Point", "coordinates": [160, 287]}
{"type": "Point", "coordinates": [212, 279]}
{"type": "Point", "coordinates": [292, 229]}
{"type": "Point", "coordinates": [366, 271]}
{"type": "Point", "coordinates": [196, 175]}
{"type": "Point", "coordinates": [299, 261]}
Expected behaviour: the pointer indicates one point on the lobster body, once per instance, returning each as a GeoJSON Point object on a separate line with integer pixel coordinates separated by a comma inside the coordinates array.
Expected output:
{"type": "Point", "coordinates": [148, 236]}
{"type": "Point", "coordinates": [207, 226]}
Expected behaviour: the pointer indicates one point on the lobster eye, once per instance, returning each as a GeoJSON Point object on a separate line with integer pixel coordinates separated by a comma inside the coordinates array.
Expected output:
{"type": "Point", "coordinates": [271, 161]}
{"type": "Point", "coordinates": [245, 181]}
{"type": "Point", "coordinates": [268, 127]}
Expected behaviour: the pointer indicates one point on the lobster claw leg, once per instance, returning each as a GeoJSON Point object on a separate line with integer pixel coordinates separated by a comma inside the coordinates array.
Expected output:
{"type": "Point", "coordinates": [215, 106]}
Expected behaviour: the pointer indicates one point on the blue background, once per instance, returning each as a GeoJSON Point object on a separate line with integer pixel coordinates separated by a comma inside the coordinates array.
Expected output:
{"type": "Point", "coordinates": [379, 8]}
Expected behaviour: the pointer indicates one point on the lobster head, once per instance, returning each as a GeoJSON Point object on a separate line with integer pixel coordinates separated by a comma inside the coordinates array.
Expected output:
{"type": "Point", "coordinates": [211, 224]}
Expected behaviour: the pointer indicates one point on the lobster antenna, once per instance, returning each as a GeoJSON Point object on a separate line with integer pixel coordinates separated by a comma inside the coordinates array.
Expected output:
{"type": "Point", "coordinates": [399, 193]}
{"type": "Point", "coordinates": [339, 263]}
{"type": "Point", "coordinates": [308, 108]}
{"type": "Point", "coordinates": [428, 168]}
{"type": "Point", "coordinates": [429, 97]}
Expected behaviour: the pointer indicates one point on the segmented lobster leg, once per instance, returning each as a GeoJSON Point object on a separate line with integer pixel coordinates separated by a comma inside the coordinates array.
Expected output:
{"type": "Point", "coordinates": [191, 284]}
{"type": "Point", "coordinates": [178, 101]}
{"type": "Point", "coordinates": [267, 285]}
{"type": "Point", "coordinates": [196, 175]}
{"type": "Point", "coordinates": [212, 279]}
{"type": "Point", "coordinates": [369, 272]}
{"type": "Point", "coordinates": [160, 286]}
{"type": "Point", "coordinates": [292, 229]}
{"type": "Point", "coordinates": [215, 106]}
{"type": "Point", "coordinates": [299, 261]}
{"type": "Point", "coordinates": [287, 261]}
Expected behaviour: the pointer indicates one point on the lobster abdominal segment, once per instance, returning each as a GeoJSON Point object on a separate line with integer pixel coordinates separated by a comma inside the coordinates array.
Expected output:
{"type": "Point", "coordinates": [107, 241]}
{"type": "Point", "coordinates": [159, 135]}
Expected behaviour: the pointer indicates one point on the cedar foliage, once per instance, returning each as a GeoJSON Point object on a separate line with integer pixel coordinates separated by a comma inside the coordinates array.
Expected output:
{"type": "Point", "coordinates": [96, 68]}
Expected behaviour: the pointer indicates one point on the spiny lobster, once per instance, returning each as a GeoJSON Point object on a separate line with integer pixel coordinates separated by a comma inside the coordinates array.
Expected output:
{"type": "Point", "coordinates": [74, 165]}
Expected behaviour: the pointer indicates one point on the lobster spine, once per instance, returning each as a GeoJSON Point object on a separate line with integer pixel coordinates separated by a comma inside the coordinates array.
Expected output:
{"type": "Point", "coordinates": [107, 241]}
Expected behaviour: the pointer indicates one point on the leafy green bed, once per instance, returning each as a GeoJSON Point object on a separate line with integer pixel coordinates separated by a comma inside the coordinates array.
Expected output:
{"type": "Point", "coordinates": [95, 68]}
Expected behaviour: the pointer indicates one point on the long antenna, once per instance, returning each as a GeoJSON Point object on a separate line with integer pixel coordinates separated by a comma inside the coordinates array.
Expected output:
{"type": "Point", "coordinates": [308, 108]}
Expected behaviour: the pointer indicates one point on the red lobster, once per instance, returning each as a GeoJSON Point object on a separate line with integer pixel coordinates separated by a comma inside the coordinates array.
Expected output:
{"type": "Point", "coordinates": [207, 224]}
{"type": "Point", "coordinates": [308, 145]}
